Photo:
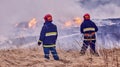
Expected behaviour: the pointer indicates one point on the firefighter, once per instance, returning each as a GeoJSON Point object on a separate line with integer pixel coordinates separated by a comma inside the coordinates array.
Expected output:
{"type": "Point", "coordinates": [48, 37]}
{"type": "Point", "coordinates": [88, 29]}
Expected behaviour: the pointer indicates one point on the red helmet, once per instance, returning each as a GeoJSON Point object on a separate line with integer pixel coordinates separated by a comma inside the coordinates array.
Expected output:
{"type": "Point", "coordinates": [48, 17]}
{"type": "Point", "coordinates": [86, 16]}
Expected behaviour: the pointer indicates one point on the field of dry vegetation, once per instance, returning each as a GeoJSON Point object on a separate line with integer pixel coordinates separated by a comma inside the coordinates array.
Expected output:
{"type": "Point", "coordinates": [33, 57]}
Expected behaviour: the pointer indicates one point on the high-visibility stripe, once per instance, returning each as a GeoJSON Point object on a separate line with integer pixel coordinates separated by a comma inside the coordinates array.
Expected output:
{"type": "Point", "coordinates": [54, 54]}
{"type": "Point", "coordinates": [51, 34]}
{"type": "Point", "coordinates": [49, 45]}
{"type": "Point", "coordinates": [39, 41]}
{"type": "Point", "coordinates": [89, 29]}
{"type": "Point", "coordinates": [47, 54]}
{"type": "Point", "coordinates": [89, 39]}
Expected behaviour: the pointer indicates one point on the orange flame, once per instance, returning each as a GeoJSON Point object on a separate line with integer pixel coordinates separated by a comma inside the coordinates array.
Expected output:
{"type": "Point", "coordinates": [74, 22]}
{"type": "Point", "coordinates": [77, 20]}
{"type": "Point", "coordinates": [32, 23]}
{"type": "Point", "coordinates": [68, 24]}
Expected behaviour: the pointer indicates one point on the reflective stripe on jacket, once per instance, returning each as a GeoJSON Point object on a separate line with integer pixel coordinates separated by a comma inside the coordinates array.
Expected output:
{"type": "Point", "coordinates": [51, 34]}
{"type": "Point", "coordinates": [49, 45]}
{"type": "Point", "coordinates": [88, 29]}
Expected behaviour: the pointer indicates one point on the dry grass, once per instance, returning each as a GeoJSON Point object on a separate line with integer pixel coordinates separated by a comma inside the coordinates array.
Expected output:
{"type": "Point", "coordinates": [111, 57]}
{"type": "Point", "coordinates": [34, 58]}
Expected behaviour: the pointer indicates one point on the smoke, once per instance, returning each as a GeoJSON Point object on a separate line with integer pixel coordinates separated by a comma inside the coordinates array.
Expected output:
{"type": "Point", "coordinates": [96, 3]}
{"type": "Point", "coordinates": [101, 8]}
{"type": "Point", "coordinates": [16, 11]}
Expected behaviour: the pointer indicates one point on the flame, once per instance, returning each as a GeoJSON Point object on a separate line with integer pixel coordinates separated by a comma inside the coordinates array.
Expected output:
{"type": "Point", "coordinates": [78, 20]}
{"type": "Point", "coordinates": [68, 24]}
{"type": "Point", "coordinates": [32, 23]}
{"type": "Point", "coordinates": [73, 22]}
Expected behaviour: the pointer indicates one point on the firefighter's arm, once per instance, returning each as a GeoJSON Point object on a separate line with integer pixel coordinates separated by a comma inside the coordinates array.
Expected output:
{"type": "Point", "coordinates": [96, 28]}
{"type": "Point", "coordinates": [57, 33]}
{"type": "Point", "coordinates": [39, 42]}
{"type": "Point", "coordinates": [81, 28]}
{"type": "Point", "coordinates": [42, 36]}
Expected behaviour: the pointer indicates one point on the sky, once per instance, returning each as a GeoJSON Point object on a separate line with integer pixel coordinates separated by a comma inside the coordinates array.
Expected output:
{"type": "Point", "coordinates": [16, 11]}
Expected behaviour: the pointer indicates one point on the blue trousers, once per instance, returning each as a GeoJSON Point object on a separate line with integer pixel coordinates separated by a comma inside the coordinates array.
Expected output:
{"type": "Point", "coordinates": [47, 51]}
{"type": "Point", "coordinates": [89, 43]}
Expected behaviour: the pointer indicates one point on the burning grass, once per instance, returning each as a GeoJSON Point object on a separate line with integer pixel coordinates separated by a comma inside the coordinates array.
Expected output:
{"type": "Point", "coordinates": [33, 57]}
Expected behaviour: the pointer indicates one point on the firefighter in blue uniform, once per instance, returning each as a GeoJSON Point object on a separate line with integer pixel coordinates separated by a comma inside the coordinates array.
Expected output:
{"type": "Point", "coordinates": [48, 37]}
{"type": "Point", "coordinates": [88, 29]}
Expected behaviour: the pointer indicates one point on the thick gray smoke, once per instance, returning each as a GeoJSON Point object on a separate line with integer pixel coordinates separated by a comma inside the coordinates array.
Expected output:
{"type": "Point", "coordinates": [16, 11]}
{"type": "Point", "coordinates": [20, 11]}
{"type": "Point", "coordinates": [102, 8]}
{"type": "Point", "coordinates": [92, 4]}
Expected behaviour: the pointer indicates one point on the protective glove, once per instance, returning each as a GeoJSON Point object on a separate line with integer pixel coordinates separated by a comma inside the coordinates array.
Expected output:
{"type": "Point", "coordinates": [93, 33]}
{"type": "Point", "coordinates": [39, 43]}
{"type": "Point", "coordinates": [86, 34]}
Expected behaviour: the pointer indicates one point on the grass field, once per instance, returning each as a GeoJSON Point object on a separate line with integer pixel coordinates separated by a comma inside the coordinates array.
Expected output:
{"type": "Point", "coordinates": [33, 57]}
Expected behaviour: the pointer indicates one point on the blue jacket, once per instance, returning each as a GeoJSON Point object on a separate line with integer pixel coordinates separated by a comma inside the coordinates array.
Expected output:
{"type": "Point", "coordinates": [88, 27]}
{"type": "Point", "coordinates": [48, 34]}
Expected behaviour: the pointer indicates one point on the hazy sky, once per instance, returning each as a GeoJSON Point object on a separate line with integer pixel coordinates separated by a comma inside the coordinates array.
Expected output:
{"type": "Point", "coordinates": [15, 11]}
